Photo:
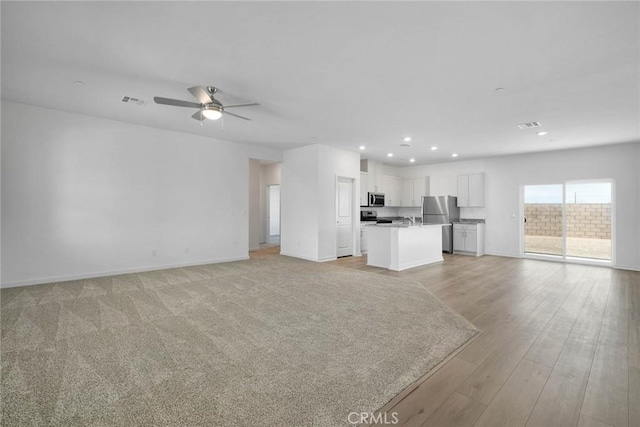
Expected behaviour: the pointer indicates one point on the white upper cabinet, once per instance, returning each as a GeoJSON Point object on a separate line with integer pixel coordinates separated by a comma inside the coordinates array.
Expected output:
{"type": "Point", "coordinates": [376, 177]}
{"type": "Point", "coordinates": [397, 191]}
{"type": "Point", "coordinates": [364, 189]}
{"type": "Point", "coordinates": [392, 190]}
{"type": "Point", "coordinates": [374, 171]}
{"type": "Point", "coordinates": [413, 189]}
{"type": "Point", "coordinates": [476, 190]}
{"type": "Point", "coordinates": [471, 190]}
{"type": "Point", "coordinates": [406, 193]}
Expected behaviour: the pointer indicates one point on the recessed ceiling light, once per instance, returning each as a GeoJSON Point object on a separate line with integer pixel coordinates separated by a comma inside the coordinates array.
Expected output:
{"type": "Point", "coordinates": [407, 138]}
{"type": "Point", "coordinates": [79, 82]}
{"type": "Point", "coordinates": [454, 155]}
{"type": "Point", "coordinates": [362, 147]}
{"type": "Point", "coordinates": [434, 148]}
{"type": "Point", "coordinates": [542, 133]}
{"type": "Point", "coordinates": [412, 160]}
{"type": "Point", "coordinates": [390, 155]}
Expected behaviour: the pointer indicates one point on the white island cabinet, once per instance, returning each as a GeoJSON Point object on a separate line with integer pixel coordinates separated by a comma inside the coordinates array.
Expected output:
{"type": "Point", "coordinates": [398, 247]}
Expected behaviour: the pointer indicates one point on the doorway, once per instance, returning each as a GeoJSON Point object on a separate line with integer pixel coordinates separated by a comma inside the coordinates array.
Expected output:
{"type": "Point", "coordinates": [571, 221]}
{"type": "Point", "coordinates": [273, 215]}
{"type": "Point", "coordinates": [344, 217]}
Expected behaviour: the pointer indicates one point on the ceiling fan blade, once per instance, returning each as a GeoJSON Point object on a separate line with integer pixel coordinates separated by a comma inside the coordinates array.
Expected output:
{"type": "Point", "coordinates": [198, 115]}
{"type": "Point", "coordinates": [242, 105]}
{"type": "Point", "coordinates": [175, 102]}
{"type": "Point", "coordinates": [200, 94]}
{"type": "Point", "coordinates": [235, 115]}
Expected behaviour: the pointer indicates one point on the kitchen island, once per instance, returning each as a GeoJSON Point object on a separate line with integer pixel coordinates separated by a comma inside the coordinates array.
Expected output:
{"type": "Point", "coordinates": [399, 246]}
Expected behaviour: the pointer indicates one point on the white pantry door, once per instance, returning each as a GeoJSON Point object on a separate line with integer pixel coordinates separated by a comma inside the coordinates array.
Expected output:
{"type": "Point", "coordinates": [344, 216]}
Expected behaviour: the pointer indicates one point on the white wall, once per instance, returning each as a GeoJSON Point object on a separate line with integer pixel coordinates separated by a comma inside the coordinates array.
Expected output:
{"type": "Point", "coordinates": [254, 204]}
{"type": "Point", "coordinates": [336, 163]}
{"type": "Point", "coordinates": [84, 197]}
{"type": "Point", "coordinates": [298, 200]}
{"type": "Point", "coordinates": [504, 177]}
{"type": "Point", "coordinates": [270, 174]}
{"type": "Point", "coordinates": [308, 228]}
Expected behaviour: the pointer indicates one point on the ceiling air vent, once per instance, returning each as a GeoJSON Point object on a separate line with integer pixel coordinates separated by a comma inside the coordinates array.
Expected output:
{"type": "Point", "coordinates": [529, 125]}
{"type": "Point", "coordinates": [132, 100]}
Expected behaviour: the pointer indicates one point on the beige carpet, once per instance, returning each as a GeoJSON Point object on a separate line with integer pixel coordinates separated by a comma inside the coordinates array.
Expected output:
{"type": "Point", "coordinates": [275, 341]}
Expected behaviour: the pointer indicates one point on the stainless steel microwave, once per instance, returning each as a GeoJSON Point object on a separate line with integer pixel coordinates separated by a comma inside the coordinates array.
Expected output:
{"type": "Point", "coordinates": [376, 199]}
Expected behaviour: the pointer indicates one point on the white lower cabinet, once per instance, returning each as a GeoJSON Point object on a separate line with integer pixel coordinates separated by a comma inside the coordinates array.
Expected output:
{"type": "Point", "coordinates": [468, 239]}
{"type": "Point", "coordinates": [363, 238]}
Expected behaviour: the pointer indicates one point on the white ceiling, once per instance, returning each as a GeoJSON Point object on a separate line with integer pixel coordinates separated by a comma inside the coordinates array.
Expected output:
{"type": "Point", "coordinates": [342, 73]}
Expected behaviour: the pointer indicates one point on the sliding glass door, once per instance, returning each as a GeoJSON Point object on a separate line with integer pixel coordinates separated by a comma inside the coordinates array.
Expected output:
{"type": "Point", "coordinates": [543, 219]}
{"type": "Point", "coordinates": [568, 221]}
{"type": "Point", "coordinates": [588, 220]}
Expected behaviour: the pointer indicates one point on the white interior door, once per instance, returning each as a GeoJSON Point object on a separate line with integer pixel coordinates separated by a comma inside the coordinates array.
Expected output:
{"type": "Point", "coordinates": [344, 216]}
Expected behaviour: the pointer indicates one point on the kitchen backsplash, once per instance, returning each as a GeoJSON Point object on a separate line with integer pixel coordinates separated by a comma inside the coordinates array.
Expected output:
{"type": "Point", "coordinates": [394, 212]}
{"type": "Point", "coordinates": [472, 213]}
{"type": "Point", "coordinates": [465, 213]}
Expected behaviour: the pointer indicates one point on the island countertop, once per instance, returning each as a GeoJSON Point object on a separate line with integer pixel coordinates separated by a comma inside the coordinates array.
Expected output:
{"type": "Point", "coordinates": [409, 225]}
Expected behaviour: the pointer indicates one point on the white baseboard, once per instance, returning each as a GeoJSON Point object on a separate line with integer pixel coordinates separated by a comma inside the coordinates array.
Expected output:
{"type": "Point", "coordinates": [298, 256]}
{"type": "Point", "coordinates": [504, 254]}
{"type": "Point", "coordinates": [81, 276]}
{"type": "Point", "coordinates": [626, 267]}
{"type": "Point", "coordinates": [406, 265]}
{"type": "Point", "coordinates": [330, 258]}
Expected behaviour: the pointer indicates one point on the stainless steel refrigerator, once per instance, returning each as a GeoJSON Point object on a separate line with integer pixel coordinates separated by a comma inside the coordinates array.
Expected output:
{"type": "Point", "coordinates": [441, 210]}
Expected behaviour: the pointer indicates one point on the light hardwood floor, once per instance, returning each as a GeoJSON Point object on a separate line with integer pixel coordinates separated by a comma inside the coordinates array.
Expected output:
{"type": "Point", "coordinates": [560, 345]}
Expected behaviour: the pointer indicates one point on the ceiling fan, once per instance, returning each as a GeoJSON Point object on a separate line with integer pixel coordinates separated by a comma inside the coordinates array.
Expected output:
{"type": "Point", "coordinates": [208, 107]}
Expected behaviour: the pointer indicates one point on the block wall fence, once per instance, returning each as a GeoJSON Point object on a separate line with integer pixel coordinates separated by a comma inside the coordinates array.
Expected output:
{"type": "Point", "coordinates": [586, 220]}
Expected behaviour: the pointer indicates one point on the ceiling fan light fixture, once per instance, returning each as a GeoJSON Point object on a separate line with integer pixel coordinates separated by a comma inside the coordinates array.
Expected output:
{"type": "Point", "coordinates": [212, 113]}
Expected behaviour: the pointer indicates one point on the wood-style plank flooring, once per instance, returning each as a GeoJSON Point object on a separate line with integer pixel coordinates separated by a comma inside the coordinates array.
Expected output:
{"type": "Point", "coordinates": [560, 345]}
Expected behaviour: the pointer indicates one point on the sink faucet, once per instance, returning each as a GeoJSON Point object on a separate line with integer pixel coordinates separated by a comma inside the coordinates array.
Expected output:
{"type": "Point", "coordinates": [412, 219]}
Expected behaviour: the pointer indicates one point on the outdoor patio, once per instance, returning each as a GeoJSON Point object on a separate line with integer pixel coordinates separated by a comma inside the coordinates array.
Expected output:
{"type": "Point", "coordinates": [576, 246]}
